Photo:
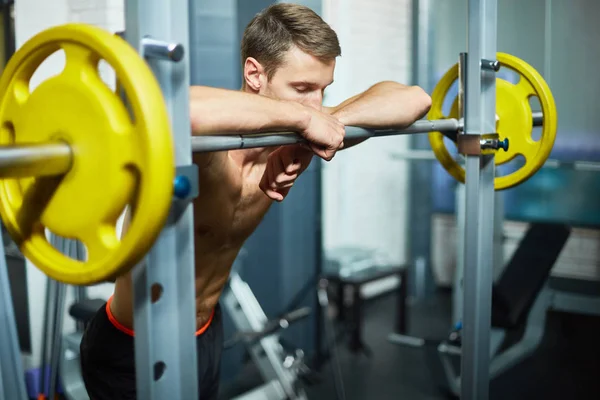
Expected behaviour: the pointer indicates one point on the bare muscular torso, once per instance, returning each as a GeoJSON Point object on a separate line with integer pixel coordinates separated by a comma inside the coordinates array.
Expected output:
{"type": "Point", "coordinates": [228, 209]}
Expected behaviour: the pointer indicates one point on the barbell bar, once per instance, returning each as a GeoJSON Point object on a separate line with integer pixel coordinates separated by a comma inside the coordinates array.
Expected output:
{"type": "Point", "coordinates": [51, 159]}
{"type": "Point", "coordinates": [48, 159]}
{"type": "Point", "coordinates": [232, 142]}
{"type": "Point", "coordinates": [203, 144]}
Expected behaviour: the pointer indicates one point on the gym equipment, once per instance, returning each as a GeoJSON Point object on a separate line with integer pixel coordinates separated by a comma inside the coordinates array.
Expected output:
{"type": "Point", "coordinates": [33, 150]}
{"type": "Point", "coordinates": [477, 107]}
{"type": "Point", "coordinates": [280, 363]}
{"type": "Point", "coordinates": [348, 271]}
{"type": "Point", "coordinates": [131, 156]}
{"type": "Point", "coordinates": [514, 122]}
{"type": "Point", "coordinates": [208, 143]}
{"type": "Point", "coordinates": [279, 369]}
{"type": "Point", "coordinates": [521, 298]}
{"type": "Point", "coordinates": [51, 340]}
{"type": "Point", "coordinates": [281, 366]}
{"type": "Point", "coordinates": [12, 384]}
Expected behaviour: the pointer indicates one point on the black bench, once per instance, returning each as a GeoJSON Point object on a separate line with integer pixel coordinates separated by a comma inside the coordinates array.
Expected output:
{"type": "Point", "coordinates": [526, 273]}
{"type": "Point", "coordinates": [350, 310]}
{"type": "Point", "coordinates": [513, 296]}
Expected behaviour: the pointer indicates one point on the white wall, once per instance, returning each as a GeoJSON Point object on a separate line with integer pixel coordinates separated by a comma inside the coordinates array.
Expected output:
{"type": "Point", "coordinates": [32, 16]}
{"type": "Point", "coordinates": [364, 191]}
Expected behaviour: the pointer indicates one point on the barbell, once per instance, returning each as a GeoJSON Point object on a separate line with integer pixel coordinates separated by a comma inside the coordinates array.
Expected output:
{"type": "Point", "coordinates": [117, 155]}
{"type": "Point", "coordinates": [514, 121]}
{"type": "Point", "coordinates": [74, 153]}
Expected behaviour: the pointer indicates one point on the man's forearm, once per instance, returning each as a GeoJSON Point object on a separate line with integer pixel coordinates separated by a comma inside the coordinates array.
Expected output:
{"type": "Point", "coordinates": [384, 105]}
{"type": "Point", "coordinates": [214, 110]}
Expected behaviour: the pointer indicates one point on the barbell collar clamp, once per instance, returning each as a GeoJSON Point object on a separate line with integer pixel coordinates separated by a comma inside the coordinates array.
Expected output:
{"type": "Point", "coordinates": [490, 65]}
{"type": "Point", "coordinates": [494, 144]}
{"type": "Point", "coordinates": [161, 50]}
{"type": "Point", "coordinates": [476, 145]}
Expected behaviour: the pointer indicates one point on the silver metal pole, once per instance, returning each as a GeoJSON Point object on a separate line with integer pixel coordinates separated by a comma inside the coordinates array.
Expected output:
{"type": "Point", "coordinates": [479, 118]}
{"type": "Point", "coordinates": [35, 160]}
{"type": "Point", "coordinates": [12, 384]}
{"type": "Point", "coordinates": [57, 158]}
{"type": "Point", "coordinates": [538, 118]}
{"type": "Point", "coordinates": [208, 143]}
{"type": "Point", "coordinates": [165, 343]}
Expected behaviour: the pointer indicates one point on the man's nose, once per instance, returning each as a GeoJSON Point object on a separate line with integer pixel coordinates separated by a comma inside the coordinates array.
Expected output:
{"type": "Point", "coordinates": [315, 100]}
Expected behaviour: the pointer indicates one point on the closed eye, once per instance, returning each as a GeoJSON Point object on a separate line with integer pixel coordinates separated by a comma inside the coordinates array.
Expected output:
{"type": "Point", "coordinates": [302, 89]}
{"type": "Point", "coordinates": [307, 87]}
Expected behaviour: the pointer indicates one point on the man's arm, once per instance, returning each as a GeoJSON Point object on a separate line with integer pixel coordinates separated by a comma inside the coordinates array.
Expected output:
{"type": "Point", "coordinates": [215, 110]}
{"type": "Point", "coordinates": [386, 104]}
{"type": "Point", "coordinates": [222, 111]}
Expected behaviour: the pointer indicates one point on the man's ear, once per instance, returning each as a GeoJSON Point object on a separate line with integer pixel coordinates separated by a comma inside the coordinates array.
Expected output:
{"type": "Point", "coordinates": [253, 74]}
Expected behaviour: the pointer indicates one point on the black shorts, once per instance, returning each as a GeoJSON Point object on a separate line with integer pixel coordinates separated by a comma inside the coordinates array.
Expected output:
{"type": "Point", "coordinates": [108, 362]}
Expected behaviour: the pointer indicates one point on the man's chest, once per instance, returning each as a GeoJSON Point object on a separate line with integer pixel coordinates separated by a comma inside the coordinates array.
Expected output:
{"type": "Point", "coordinates": [228, 209]}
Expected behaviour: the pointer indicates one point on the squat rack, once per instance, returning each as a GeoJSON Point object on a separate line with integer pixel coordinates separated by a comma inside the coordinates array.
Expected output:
{"type": "Point", "coordinates": [171, 261]}
{"type": "Point", "coordinates": [166, 361]}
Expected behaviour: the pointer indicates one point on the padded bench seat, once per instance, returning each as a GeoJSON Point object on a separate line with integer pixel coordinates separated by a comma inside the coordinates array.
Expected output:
{"type": "Point", "coordinates": [85, 310]}
{"type": "Point", "coordinates": [526, 273]}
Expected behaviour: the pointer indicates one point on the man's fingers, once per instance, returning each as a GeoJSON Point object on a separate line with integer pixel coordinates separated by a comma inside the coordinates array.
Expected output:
{"type": "Point", "coordinates": [321, 152]}
{"type": "Point", "coordinates": [276, 196]}
{"type": "Point", "coordinates": [271, 193]}
{"type": "Point", "coordinates": [264, 186]}
{"type": "Point", "coordinates": [283, 179]}
{"type": "Point", "coordinates": [279, 177]}
{"type": "Point", "coordinates": [285, 165]}
{"type": "Point", "coordinates": [293, 167]}
{"type": "Point", "coordinates": [284, 158]}
{"type": "Point", "coordinates": [271, 174]}
{"type": "Point", "coordinates": [285, 185]}
{"type": "Point", "coordinates": [284, 192]}
{"type": "Point", "coordinates": [325, 134]}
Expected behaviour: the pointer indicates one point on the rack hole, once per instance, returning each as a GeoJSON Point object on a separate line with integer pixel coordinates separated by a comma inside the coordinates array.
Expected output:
{"type": "Point", "coordinates": [156, 291]}
{"type": "Point", "coordinates": [159, 370]}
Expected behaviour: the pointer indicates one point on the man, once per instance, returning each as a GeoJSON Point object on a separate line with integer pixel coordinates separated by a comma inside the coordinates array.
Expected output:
{"type": "Point", "coordinates": [288, 54]}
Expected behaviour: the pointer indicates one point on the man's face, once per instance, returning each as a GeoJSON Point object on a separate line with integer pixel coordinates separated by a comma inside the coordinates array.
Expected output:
{"type": "Point", "coordinates": [301, 78]}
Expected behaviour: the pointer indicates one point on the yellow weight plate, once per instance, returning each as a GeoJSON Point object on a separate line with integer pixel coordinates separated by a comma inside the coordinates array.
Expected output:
{"type": "Point", "coordinates": [436, 139]}
{"type": "Point", "coordinates": [121, 156]}
{"type": "Point", "coordinates": [514, 122]}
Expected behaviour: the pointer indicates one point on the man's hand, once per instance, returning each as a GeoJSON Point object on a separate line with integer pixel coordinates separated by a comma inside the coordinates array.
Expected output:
{"type": "Point", "coordinates": [284, 165]}
{"type": "Point", "coordinates": [325, 134]}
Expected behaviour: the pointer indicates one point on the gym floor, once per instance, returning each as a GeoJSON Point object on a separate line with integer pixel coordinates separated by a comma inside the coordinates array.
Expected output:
{"type": "Point", "coordinates": [567, 366]}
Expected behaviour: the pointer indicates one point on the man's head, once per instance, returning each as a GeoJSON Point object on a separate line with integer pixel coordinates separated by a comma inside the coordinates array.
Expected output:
{"type": "Point", "coordinates": [288, 52]}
